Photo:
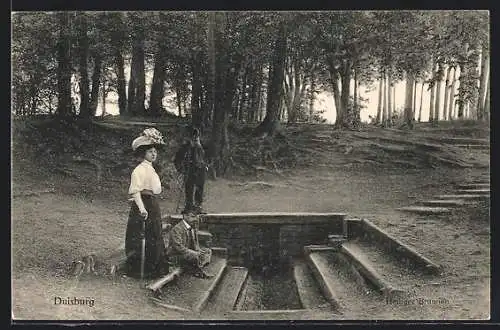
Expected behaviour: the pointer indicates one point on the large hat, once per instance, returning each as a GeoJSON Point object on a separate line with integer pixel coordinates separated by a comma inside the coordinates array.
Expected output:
{"type": "Point", "coordinates": [148, 137]}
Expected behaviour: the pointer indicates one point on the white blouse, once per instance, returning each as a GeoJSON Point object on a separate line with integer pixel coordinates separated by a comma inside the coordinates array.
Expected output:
{"type": "Point", "coordinates": [144, 177]}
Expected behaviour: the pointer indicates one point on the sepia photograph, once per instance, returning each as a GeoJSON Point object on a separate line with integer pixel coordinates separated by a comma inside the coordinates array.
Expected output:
{"type": "Point", "coordinates": [250, 165]}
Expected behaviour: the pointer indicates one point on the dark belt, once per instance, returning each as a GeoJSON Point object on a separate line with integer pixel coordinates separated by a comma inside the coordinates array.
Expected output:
{"type": "Point", "coordinates": [147, 192]}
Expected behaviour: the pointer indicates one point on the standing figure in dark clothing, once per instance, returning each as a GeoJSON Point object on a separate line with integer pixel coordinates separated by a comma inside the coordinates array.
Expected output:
{"type": "Point", "coordinates": [190, 161]}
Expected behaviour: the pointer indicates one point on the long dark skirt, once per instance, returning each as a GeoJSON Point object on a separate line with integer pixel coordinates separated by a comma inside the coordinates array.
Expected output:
{"type": "Point", "coordinates": [155, 259]}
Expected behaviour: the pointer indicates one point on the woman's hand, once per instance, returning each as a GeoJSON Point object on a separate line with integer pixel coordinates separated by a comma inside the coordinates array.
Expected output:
{"type": "Point", "coordinates": [140, 205]}
{"type": "Point", "coordinates": [144, 213]}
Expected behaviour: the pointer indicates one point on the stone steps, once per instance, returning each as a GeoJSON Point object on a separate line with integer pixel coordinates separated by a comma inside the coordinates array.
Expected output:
{"type": "Point", "coordinates": [358, 258]}
{"type": "Point", "coordinates": [378, 238]}
{"type": "Point", "coordinates": [228, 290]}
{"type": "Point", "coordinates": [425, 210]}
{"type": "Point", "coordinates": [464, 196]}
{"type": "Point", "coordinates": [443, 203]}
{"type": "Point", "coordinates": [473, 146]}
{"type": "Point", "coordinates": [309, 292]}
{"type": "Point", "coordinates": [458, 141]}
{"type": "Point", "coordinates": [474, 191]}
{"type": "Point", "coordinates": [385, 272]}
{"type": "Point", "coordinates": [473, 185]}
{"type": "Point", "coordinates": [192, 293]}
{"type": "Point", "coordinates": [485, 179]}
{"type": "Point", "coordinates": [326, 280]}
{"type": "Point", "coordinates": [342, 286]}
{"type": "Point", "coordinates": [318, 248]}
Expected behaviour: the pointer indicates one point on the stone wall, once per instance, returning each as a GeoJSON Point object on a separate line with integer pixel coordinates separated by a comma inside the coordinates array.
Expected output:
{"type": "Point", "coordinates": [263, 239]}
{"type": "Point", "coordinates": [258, 244]}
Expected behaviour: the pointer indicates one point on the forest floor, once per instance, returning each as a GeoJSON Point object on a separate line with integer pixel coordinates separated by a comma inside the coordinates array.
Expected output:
{"type": "Point", "coordinates": [69, 200]}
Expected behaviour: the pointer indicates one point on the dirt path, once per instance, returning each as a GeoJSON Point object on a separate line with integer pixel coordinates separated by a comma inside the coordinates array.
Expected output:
{"type": "Point", "coordinates": [53, 229]}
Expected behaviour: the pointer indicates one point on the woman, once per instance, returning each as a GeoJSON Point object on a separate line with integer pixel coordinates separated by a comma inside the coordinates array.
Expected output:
{"type": "Point", "coordinates": [144, 187]}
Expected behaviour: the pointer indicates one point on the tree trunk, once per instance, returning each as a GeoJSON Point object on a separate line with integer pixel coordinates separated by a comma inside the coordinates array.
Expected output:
{"type": "Point", "coordinates": [83, 56]}
{"type": "Point", "coordinates": [121, 84]}
{"type": "Point", "coordinates": [96, 77]}
{"type": "Point", "coordinates": [432, 101]}
{"type": "Point", "coordinates": [183, 103]}
{"type": "Point", "coordinates": [298, 96]}
{"type": "Point", "coordinates": [393, 99]}
{"type": "Point", "coordinates": [486, 106]}
{"type": "Point", "coordinates": [132, 82]}
{"type": "Point", "coordinates": [380, 100]}
{"type": "Point", "coordinates": [359, 106]}
{"type": "Point", "coordinates": [344, 116]}
{"type": "Point", "coordinates": [439, 80]}
{"type": "Point", "coordinates": [485, 68]}
{"type": "Point", "coordinates": [389, 99]}
{"type": "Point", "coordinates": [432, 87]}
{"type": "Point", "coordinates": [463, 87]}
{"type": "Point", "coordinates": [235, 107]}
{"type": "Point", "coordinates": [33, 105]}
{"type": "Point", "coordinates": [355, 99]}
{"type": "Point", "coordinates": [64, 66]}
{"type": "Point", "coordinates": [452, 94]}
{"type": "Point", "coordinates": [203, 93]}
{"type": "Point", "coordinates": [421, 101]}
{"type": "Point", "coordinates": [275, 85]}
{"type": "Point", "coordinates": [334, 76]}
{"type": "Point", "coordinates": [137, 84]}
{"type": "Point", "coordinates": [104, 93]}
{"type": "Point", "coordinates": [178, 99]}
{"type": "Point", "coordinates": [33, 94]}
{"type": "Point", "coordinates": [208, 112]}
{"type": "Point", "coordinates": [312, 97]}
{"type": "Point", "coordinates": [384, 100]}
{"type": "Point", "coordinates": [225, 84]}
{"type": "Point", "coordinates": [260, 97]}
{"type": "Point", "coordinates": [301, 99]}
{"type": "Point", "coordinates": [414, 104]}
{"type": "Point", "coordinates": [140, 96]}
{"type": "Point", "coordinates": [243, 104]}
{"type": "Point", "coordinates": [19, 101]}
{"type": "Point", "coordinates": [288, 88]}
{"type": "Point", "coordinates": [254, 94]}
{"type": "Point", "coordinates": [262, 101]}
{"type": "Point", "coordinates": [196, 93]}
{"type": "Point", "coordinates": [462, 90]}
{"type": "Point", "coordinates": [475, 80]}
{"type": "Point", "coordinates": [446, 93]}
{"type": "Point", "coordinates": [408, 112]}
{"type": "Point", "coordinates": [157, 86]}
{"type": "Point", "coordinates": [220, 148]}
{"type": "Point", "coordinates": [281, 110]}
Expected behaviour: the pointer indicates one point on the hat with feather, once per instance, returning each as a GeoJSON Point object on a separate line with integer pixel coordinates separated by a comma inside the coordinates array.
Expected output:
{"type": "Point", "coordinates": [149, 137]}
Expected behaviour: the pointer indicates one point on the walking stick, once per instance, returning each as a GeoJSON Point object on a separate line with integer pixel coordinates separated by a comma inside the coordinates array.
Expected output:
{"type": "Point", "coordinates": [143, 246]}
